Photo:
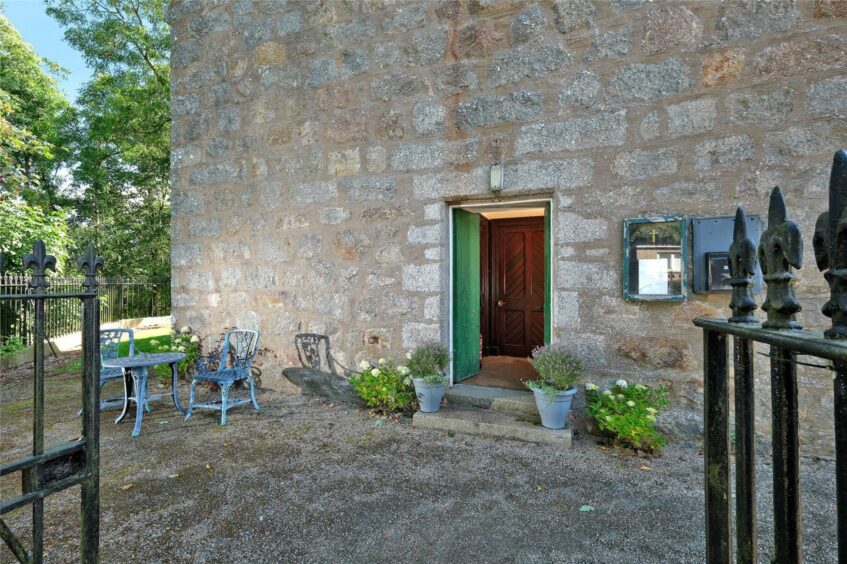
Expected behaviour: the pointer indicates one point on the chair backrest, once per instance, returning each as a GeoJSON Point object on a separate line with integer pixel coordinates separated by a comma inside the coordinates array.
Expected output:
{"type": "Point", "coordinates": [239, 348]}
{"type": "Point", "coordinates": [309, 346]}
{"type": "Point", "coordinates": [110, 343]}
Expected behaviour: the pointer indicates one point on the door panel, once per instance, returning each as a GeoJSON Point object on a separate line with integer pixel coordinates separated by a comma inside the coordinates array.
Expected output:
{"type": "Point", "coordinates": [519, 289]}
{"type": "Point", "coordinates": [548, 274]}
{"type": "Point", "coordinates": [466, 295]}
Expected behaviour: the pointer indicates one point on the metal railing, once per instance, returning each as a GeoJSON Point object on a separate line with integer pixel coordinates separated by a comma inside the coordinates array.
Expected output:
{"type": "Point", "coordinates": [120, 298]}
{"type": "Point", "coordinates": [778, 253]}
{"type": "Point", "coordinates": [50, 469]}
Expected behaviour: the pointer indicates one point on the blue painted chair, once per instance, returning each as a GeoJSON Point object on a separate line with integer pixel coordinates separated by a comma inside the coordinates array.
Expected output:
{"type": "Point", "coordinates": [110, 346]}
{"type": "Point", "coordinates": [232, 364]}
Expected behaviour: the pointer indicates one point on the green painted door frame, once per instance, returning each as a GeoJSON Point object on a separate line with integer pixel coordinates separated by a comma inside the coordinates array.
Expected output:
{"type": "Point", "coordinates": [466, 295]}
{"type": "Point", "coordinates": [548, 275]}
{"type": "Point", "coordinates": [467, 292]}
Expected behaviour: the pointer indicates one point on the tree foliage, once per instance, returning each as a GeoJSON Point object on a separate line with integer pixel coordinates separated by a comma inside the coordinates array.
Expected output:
{"type": "Point", "coordinates": [120, 141]}
{"type": "Point", "coordinates": [32, 114]}
{"type": "Point", "coordinates": [102, 165]}
{"type": "Point", "coordinates": [21, 223]}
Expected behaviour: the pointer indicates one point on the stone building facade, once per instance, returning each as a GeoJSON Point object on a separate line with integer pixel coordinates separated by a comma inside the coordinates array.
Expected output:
{"type": "Point", "coordinates": [318, 145]}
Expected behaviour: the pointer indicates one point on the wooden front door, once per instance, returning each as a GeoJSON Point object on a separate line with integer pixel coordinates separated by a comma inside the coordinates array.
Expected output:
{"type": "Point", "coordinates": [518, 256]}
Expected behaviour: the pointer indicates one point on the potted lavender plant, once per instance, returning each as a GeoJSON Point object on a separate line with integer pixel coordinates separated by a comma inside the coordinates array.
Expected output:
{"type": "Point", "coordinates": [426, 366]}
{"type": "Point", "coordinates": [560, 372]}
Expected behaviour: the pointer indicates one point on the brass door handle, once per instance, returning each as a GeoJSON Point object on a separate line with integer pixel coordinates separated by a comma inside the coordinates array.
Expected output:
{"type": "Point", "coordinates": [500, 303]}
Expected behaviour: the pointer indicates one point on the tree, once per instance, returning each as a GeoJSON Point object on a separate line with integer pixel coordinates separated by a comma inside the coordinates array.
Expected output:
{"type": "Point", "coordinates": [33, 113]}
{"type": "Point", "coordinates": [21, 223]}
{"type": "Point", "coordinates": [121, 139]}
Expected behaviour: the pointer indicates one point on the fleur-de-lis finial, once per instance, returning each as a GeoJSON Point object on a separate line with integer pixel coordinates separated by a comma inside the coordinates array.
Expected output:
{"type": "Point", "coordinates": [830, 243]}
{"type": "Point", "coordinates": [40, 262]}
{"type": "Point", "coordinates": [780, 249]}
{"type": "Point", "coordinates": [89, 263]}
{"type": "Point", "coordinates": [742, 269]}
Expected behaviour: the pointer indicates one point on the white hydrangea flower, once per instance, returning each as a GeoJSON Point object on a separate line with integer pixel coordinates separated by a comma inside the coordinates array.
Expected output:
{"type": "Point", "coordinates": [620, 396]}
{"type": "Point", "coordinates": [195, 339]}
{"type": "Point", "coordinates": [651, 418]}
{"type": "Point", "coordinates": [607, 392]}
{"type": "Point", "coordinates": [409, 355]}
{"type": "Point", "coordinates": [185, 329]}
{"type": "Point", "coordinates": [640, 387]}
{"type": "Point", "coordinates": [375, 372]}
{"type": "Point", "coordinates": [382, 361]}
{"type": "Point", "coordinates": [364, 365]}
{"type": "Point", "coordinates": [408, 381]}
{"type": "Point", "coordinates": [630, 403]}
{"type": "Point", "coordinates": [651, 411]}
{"type": "Point", "coordinates": [181, 349]}
{"type": "Point", "coordinates": [404, 370]}
{"type": "Point", "coordinates": [621, 384]}
{"type": "Point", "coordinates": [591, 387]}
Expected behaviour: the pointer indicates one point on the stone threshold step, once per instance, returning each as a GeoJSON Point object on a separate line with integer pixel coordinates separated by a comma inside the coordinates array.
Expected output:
{"type": "Point", "coordinates": [491, 424]}
{"type": "Point", "coordinates": [515, 402]}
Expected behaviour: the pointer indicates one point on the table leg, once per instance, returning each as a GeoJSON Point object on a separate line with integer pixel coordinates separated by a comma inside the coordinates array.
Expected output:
{"type": "Point", "coordinates": [140, 399]}
{"type": "Point", "coordinates": [127, 375]}
{"type": "Point", "coordinates": [175, 389]}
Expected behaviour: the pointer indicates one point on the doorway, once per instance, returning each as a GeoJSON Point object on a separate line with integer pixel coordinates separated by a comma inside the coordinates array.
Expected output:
{"type": "Point", "coordinates": [501, 298]}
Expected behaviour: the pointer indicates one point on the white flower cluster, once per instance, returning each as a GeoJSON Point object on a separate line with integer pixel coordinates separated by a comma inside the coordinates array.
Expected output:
{"type": "Point", "coordinates": [592, 387]}
{"type": "Point", "coordinates": [621, 384]}
{"type": "Point", "coordinates": [364, 366]}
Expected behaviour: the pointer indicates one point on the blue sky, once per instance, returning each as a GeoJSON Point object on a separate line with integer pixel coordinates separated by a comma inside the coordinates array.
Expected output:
{"type": "Point", "coordinates": [44, 34]}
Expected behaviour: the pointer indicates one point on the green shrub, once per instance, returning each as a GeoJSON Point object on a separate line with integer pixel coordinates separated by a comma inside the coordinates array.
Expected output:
{"type": "Point", "coordinates": [183, 341]}
{"type": "Point", "coordinates": [428, 362]}
{"type": "Point", "coordinates": [386, 387]}
{"type": "Point", "coordinates": [11, 345]}
{"type": "Point", "coordinates": [628, 414]}
{"type": "Point", "coordinates": [559, 370]}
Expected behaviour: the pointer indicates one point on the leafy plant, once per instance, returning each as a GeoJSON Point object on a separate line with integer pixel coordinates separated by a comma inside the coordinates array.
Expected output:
{"type": "Point", "coordinates": [628, 414]}
{"type": "Point", "coordinates": [11, 345]}
{"type": "Point", "coordinates": [385, 387]}
{"type": "Point", "coordinates": [428, 363]}
{"type": "Point", "coordinates": [183, 341]}
{"type": "Point", "coordinates": [559, 370]}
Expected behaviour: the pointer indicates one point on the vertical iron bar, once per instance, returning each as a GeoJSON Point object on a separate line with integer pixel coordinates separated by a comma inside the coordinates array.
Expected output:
{"type": "Point", "coordinates": [716, 449]}
{"type": "Point", "coordinates": [840, 386]}
{"type": "Point", "coordinates": [90, 533]}
{"type": "Point", "coordinates": [38, 432]}
{"type": "Point", "coordinates": [788, 537]}
{"type": "Point", "coordinates": [745, 463]}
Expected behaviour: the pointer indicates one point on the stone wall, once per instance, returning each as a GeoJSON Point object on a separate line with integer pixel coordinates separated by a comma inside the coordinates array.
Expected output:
{"type": "Point", "coordinates": [317, 145]}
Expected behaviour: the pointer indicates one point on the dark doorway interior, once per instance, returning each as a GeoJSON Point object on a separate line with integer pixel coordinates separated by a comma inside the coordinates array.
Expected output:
{"type": "Point", "coordinates": [512, 275]}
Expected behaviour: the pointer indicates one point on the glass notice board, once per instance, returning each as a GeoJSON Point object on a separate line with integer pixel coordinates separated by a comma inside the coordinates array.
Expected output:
{"type": "Point", "coordinates": [655, 257]}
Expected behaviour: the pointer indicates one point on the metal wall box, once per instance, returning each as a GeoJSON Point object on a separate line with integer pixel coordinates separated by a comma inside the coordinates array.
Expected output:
{"type": "Point", "coordinates": [712, 237]}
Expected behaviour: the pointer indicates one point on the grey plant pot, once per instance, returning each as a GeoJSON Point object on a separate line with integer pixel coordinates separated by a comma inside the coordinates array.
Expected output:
{"type": "Point", "coordinates": [554, 410]}
{"type": "Point", "coordinates": [429, 395]}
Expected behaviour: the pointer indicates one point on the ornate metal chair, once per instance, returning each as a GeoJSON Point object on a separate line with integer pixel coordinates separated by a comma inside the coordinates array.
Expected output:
{"type": "Point", "coordinates": [110, 347]}
{"type": "Point", "coordinates": [230, 365]}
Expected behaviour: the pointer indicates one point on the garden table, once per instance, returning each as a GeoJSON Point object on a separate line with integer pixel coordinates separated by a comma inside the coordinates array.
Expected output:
{"type": "Point", "coordinates": [135, 367]}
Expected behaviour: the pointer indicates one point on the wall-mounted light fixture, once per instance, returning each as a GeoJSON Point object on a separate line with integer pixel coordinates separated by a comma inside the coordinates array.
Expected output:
{"type": "Point", "coordinates": [496, 177]}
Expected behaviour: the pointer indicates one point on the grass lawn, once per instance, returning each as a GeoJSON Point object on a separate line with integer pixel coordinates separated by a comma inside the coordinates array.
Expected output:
{"type": "Point", "coordinates": [143, 344]}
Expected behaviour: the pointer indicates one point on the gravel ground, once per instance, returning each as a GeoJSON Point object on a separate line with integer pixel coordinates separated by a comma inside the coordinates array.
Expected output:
{"type": "Point", "coordinates": [316, 482]}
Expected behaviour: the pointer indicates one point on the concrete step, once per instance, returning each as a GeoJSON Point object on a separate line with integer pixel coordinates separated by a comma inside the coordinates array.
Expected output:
{"type": "Point", "coordinates": [521, 404]}
{"type": "Point", "coordinates": [491, 424]}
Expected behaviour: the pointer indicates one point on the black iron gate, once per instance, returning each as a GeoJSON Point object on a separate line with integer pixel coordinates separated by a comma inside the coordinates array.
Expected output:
{"type": "Point", "coordinates": [48, 471]}
{"type": "Point", "coordinates": [780, 250]}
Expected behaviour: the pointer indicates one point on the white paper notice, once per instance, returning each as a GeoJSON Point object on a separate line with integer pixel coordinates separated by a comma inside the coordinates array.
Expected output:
{"type": "Point", "coordinates": [652, 276]}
